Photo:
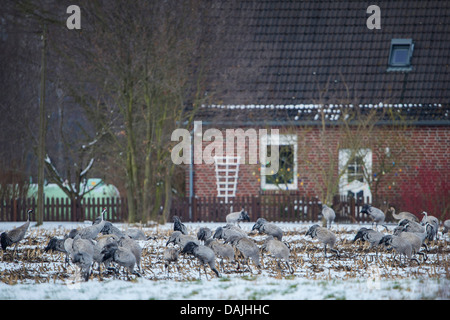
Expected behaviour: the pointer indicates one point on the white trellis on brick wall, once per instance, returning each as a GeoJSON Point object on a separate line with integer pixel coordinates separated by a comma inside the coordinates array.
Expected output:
{"type": "Point", "coordinates": [227, 174]}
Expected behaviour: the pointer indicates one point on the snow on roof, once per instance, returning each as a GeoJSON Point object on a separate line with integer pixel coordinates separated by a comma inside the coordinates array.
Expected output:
{"type": "Point", "coordinates": [331, 112]}
{"type": "Point", "coordinates": [319, 106]}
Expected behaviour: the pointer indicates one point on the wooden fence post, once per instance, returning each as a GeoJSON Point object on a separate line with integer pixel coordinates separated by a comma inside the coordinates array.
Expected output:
{"type": "Point", "coordinates": [253, 211]}
{"type": "Point", "coordinates": [50, 210]}
{"type": "Point", "coordinates": [352, 208]}
{"type": "Point", "coordinates": [14, 206]}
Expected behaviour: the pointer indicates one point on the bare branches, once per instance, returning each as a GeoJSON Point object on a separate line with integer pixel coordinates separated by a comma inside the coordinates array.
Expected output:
{"type": "Point", "coordinates": [143, 63]}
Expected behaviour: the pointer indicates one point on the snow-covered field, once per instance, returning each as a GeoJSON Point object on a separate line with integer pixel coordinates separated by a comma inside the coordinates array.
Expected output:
{"type": "Point", "coordinates": [34, 274]}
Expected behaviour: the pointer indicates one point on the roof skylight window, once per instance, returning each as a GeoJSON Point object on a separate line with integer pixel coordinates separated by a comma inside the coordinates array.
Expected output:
{"type": "Point", "coordinates": [400, 55]}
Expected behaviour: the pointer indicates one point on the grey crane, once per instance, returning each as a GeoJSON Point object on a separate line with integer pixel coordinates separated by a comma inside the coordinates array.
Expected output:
{"type": "Point", "coordinates": [122, 256]}
{"type": "Point", "coordinates": [230, 226]}
{"type": "Point", "coordinates": [412, 225]}
{"type": "Point", "coordinates": [446, 227]}
{"type": "Point", "coordinates": [400, 245]}
{"type": "Point", "coordinates": [136, 234]}
{"type": "Point", "coordinates": [263, 226]}
{"type": "Point", "coordinates": [58, 245]}
{"type": "Point", "coordinates": [204, 254]}
{"type": "Point", "coordinates": [228, 231]}
{"type": "Point", "coordinates": [325, 236]}
{"type": "Point", "coordinates": [376, 214]}
{"type": "Point", "coordinates": [373, 237]}
{"type": "Point", "coordinates": [424, 234]}
{"type": "Point", "coordinates": [92, 231]}
{"type": "Point", "coordinates": [403, 215]}
{"type": "Point", "coordinates": [134, 247]}
{"type": "Point", "coordinates": [170, 255]}
{"type": "Point", "coordinates": [181, 239]}
{"type": "Point", "coordinates": [236, 217]}
{"type": "Point", "coordinates": [415, 227]}
{"type": "Point", "coordinates": [434, 223]}
{"type": "Point", "coordinates": [247, 248]}
{"type": "Point", "coordinates": [100, 218]}
{"type": "Point", "coordinates": [82, 254]}
{"type": "Point", "coordinates": [328, 214]}
{"type": "Point", "coordinates": [68, 242]}
{"type": "Point", "coordinates": [178, 225]}
{"type": "Point", "coordinates": [101, 242]}
{"type": "Point", "coordinates": [63, 245]}
{"type": "Point", "coordinates": [133, 233]}
{"type": "Point", "coordinates": [278, 250]}
{"type": "Point", "coordinates": [204, 233]}
{"type": "Point", "coordinates": [222, 250]}
{"type": "Point", "coordinates": [416, 240]}
{"type": "Point", "coordinates": [109, 228]}
{"type": "Point", "coordinates": [16, 235]}
{"type": "Point", "coordinates": [55, 244]}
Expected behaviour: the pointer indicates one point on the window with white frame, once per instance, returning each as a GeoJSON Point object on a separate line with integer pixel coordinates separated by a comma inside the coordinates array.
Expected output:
{"type": "Point", "coordinates": [286, 177]}
{"type": "Point", "coordinates": [355, 167]}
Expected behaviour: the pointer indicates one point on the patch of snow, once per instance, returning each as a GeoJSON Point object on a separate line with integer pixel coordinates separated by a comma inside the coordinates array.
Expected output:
{"type": "Point", "coordinates": [89, 166]}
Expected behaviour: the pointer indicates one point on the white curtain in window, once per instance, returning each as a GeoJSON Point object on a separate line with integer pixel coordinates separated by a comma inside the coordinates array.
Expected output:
{"type": "Point", "coordinates": [355, 186]}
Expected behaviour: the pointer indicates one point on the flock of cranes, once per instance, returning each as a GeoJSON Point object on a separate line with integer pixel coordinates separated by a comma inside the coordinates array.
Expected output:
{"type": "Point", "coordinates": [102, 243]}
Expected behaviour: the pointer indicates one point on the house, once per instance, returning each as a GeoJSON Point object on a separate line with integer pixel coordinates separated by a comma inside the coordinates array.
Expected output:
{"type": "Point", "coordinates": [359, 112]}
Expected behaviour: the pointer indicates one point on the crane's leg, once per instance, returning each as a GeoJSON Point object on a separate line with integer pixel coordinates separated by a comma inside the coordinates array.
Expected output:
{"type": "Point", "coordinates": [336, 252]}
{"type": "Point", "coordinates": [15, 249]}
{"type": "Point", "coordinates": [424, 256]}
{"type": "Point", "coordinates": [215, 271]}
{"type": "Point", "coordinates": [247, 262]}
{"type": "Point", "coordinates": [166, 267]}
{"type": "Point", "coordinates": [279, 265]}
{"type": "Point", "coordinates": [206, 273]}
{"type": "Point", "coordinates": [131, 270]}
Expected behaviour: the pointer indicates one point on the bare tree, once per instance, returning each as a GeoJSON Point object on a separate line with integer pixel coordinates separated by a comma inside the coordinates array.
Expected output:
{"type": "Point", "coordinates": [139, 74]}
{"type": "Point", "coordinates": [25, 32]}
{"type": "Point", "coordinates": [361, 131]}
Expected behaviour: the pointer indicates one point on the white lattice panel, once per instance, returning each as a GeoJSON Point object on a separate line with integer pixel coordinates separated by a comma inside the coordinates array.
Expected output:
{"type": "Point", "coordinates": [227, 174]}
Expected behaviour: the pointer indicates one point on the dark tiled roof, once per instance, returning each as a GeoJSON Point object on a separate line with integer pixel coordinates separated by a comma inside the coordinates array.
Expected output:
{"type": "Point", "coordinates": [321, 52]}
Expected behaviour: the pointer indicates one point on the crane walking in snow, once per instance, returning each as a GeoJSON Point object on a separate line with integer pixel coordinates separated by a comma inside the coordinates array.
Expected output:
{"type": "Point", "coordinates": [14, 236]}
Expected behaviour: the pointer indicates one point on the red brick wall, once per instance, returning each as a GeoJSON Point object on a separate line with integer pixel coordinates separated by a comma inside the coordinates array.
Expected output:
{"type": "Point", "coordinates": [421, 170]}
{"type": "Point", "coordinates": [424, 183]}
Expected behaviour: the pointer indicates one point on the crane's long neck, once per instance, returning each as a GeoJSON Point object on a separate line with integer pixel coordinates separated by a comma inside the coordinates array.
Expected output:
{"type": "Point", "coordinates": [394, 214]}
